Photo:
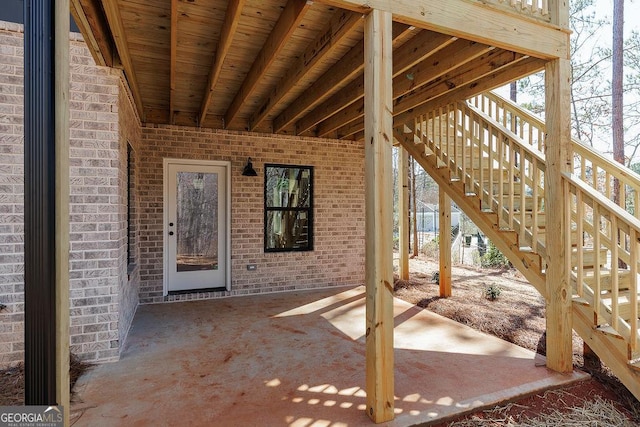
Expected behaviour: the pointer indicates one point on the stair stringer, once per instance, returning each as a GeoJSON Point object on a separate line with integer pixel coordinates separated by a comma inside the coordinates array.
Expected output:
{"type": "Point", "coordinates": [506, 241]}
{"type": "Point", "coordinates": [610, 348]}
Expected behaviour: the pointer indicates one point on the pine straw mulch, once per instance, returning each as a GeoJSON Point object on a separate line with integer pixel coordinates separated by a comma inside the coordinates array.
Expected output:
{"type": "Point", "coordinates": [517, 316]}
{"type": "Point", "coordinates": [12, 381]}
{"type": "Point", "coordinates": [596, 412]}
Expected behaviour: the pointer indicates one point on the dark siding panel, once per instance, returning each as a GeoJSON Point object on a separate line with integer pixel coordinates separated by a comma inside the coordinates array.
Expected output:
{"type": "Point", "coordinates": [13, 11]}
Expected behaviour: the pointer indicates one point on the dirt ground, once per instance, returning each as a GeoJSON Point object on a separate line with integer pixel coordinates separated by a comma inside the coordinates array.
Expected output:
{"type": "Point", "coordinates": [517, 315]}
{"type": "Point", "coordinates": [12, 381]}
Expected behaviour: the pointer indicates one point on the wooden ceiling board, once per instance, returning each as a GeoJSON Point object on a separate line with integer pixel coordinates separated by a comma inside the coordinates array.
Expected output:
{"type": "Point", "coordinates": [255, 24]}
{"type": "Point", "coordinates": [153, 52]}
{"type": "Point", "coordinates": [322, 67]}
{"type": "Point", "coordinates": [314, 21]}
{"type": "Point", "coordinates": [146, 30]}
{"type": "Point", "coordinates": [273, 75]}
{"type": "Point", "coordinates": [269, 11]}
{"type": "Point", "coordinates": [205, 11]}
{"type": "Point", "coordinates": [146, 26]}
{"type": "Point", "coordinates": [198, 36]}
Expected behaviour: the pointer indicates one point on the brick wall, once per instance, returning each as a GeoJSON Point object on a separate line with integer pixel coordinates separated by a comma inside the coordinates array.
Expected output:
{"type": "Point", "coordinates": [338, 255]}
{"type": "Point", "coordinates": [102, 300]}
{"type": "Point", "coordinates": [11, 193]}
{"type": "Point", "coordinates": [130, 134]}
{"type": "Point", "coordinates": [103, 123]}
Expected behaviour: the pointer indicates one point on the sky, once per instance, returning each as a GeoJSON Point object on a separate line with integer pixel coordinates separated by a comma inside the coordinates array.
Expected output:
{"type": "Point", "coordinates": [604, 10]}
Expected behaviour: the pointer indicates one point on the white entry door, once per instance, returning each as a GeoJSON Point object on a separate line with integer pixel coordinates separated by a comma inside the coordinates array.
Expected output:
{"type": "Point", "coordinates": [196, 225]}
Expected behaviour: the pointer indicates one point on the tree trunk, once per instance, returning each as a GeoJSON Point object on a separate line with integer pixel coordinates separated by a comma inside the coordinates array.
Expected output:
{"type": "Point", "coordinates": [617, 123]}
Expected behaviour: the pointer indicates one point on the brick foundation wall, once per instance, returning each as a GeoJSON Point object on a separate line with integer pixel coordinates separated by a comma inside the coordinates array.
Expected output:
{"type": "Point", "coordinates": [11, 193]}
{"type": "Point", "coordinates": [338, 255]}
{"type": "Point", "coordinates": [102, 300]}
{"type": "Point", "coordinates": [97, 232]}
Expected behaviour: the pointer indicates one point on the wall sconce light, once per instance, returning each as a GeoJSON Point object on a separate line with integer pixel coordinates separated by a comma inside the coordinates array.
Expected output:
{"type": "Point", "coordinates": [248, 169]}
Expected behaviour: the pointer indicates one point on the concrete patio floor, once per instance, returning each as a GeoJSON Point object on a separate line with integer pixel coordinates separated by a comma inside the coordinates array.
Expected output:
{"type": "Point", "coordinates": [297, 359]}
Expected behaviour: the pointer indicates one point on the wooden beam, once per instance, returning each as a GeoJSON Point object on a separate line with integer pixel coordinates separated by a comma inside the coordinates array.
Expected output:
{"type": "Point", "coordinates": [112, 12]}
{"type": "Point", "coordinates": [431, 69]}
{"type": "Point", "coordinates": [289, 20]}
{"type": "Point", "coordinates": [344, 98]}
{"type": "Point", "coordinates": [231, 19]}
{"type": "Point", "coordinates": [172, 63]}
{"type": "Point", "coordinates": [473, 21]}
{"type": "Point", "coordinates": [378, 218]}
{"type": "Point", "coordinates": [182, 118]}
{"type": "Point", "coordinates": [403, 212]}
{"type": "Point", "coordinates": [468, 71]}
{"type": "Point", "coordinates": [516, 71]}
{"type": "Point", "coordinates": [61, 93]}
{"type": "Point", "coordinates": [415, 50]}
{"type": "Point", "coordinates": [424, 45]}
{"type": "Point", "coordinates": [519, 69]}
{"type": "Point", "coordinates": [89, 18]}
{"type": "Point", "coordinates": [559, 159]}
{"type": "Point", "coordinates": [401, 33]}
{"type": "Point", "coordinates": [444, 243]}
{"type": "Point", "coordinates": [343, 71]}
{"type": "Point", "coordinates": [452, 56]}
{"type": "Point", "coordinates": [342, 24]}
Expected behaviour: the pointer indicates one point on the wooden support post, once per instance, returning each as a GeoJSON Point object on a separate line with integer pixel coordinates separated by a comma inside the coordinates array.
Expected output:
{"type": "Point", "coordinates": [414, 210]}
{"type": "Point", "coordinates": [444, 243]}
{"type": "Point", "coordinates": [403, 212]}
{"type": "Point", "coordinates": [379, 216]}
{"type": "Point", "coordinates": [62, 247]}
{"type": "Point", "coordinates": [559, 292]}
{"type": "Point", "coordinates": [558, 156]}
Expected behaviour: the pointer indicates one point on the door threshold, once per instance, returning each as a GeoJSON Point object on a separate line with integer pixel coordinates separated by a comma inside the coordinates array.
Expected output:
{"type": "Point", "coordinates": [195, 291]}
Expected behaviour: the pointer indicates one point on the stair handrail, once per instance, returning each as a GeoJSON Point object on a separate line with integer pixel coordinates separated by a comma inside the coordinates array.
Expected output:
{"type": "Point", "coordinates": [538, 9]}
{"type": "Point", "coordinates": [537, 166]}
{"type": "Point", "coordinates": [584, 155]}
{"type": "Point", "coordinates": [614, 238]}
{"type": "Point", "coordinates": [616, 219]}
{"type": "Point", "coordinates": [593, 221]}
{"type": "Point", "coordinates": [493, 141]}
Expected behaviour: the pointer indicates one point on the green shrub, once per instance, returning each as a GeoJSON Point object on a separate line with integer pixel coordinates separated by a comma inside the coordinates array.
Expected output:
{"type": "Point", "coordinates": [492, 292]}
{"type": "Point", "coordinates": [435, 277]}
{"type": "Point", "coordinates": [493, 258]}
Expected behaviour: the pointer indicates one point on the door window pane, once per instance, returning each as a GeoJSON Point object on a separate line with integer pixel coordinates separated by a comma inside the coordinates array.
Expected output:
{"type": "Point", "coordinates": [197, 221]}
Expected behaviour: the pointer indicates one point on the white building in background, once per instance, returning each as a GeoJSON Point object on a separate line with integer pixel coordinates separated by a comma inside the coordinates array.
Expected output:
{"type": "Point", "coordinates": [428, 217]}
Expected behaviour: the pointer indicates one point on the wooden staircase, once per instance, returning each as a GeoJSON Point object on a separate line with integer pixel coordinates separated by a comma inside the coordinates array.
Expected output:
{"type": "Point", "coordinates": [487, 154]}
